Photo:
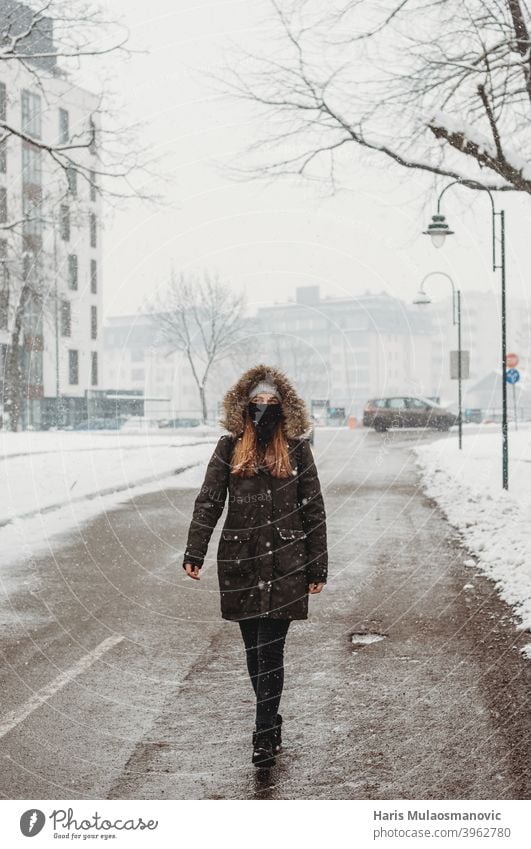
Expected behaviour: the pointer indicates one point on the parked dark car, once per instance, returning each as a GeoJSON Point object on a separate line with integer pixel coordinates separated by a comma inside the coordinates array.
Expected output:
{"type": "Point", "coordinates": [406, 411]}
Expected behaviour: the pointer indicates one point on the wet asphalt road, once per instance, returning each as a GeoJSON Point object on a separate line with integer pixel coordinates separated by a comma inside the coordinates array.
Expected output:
{"type": "Point", "coordinates": [120, 680]}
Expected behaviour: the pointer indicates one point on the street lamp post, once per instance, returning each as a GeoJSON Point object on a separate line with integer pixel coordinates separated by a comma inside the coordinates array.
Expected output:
{"type": "Point", "coordinates": [438, 229]}
{"type": "Point", "coordinates": [422, 298]}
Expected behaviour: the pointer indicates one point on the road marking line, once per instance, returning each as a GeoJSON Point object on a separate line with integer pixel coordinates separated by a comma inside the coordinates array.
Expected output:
{"type": "Point", "coordinates": [16, 716]}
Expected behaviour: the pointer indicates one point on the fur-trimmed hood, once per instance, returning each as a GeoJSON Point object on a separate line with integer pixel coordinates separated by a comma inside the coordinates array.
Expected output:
{"type": "Point", "coordinates": [296, 419]}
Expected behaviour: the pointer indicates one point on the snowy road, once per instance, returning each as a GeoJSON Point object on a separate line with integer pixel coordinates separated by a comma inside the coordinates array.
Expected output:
{"type": "Point", "coordinates": [119, 679]}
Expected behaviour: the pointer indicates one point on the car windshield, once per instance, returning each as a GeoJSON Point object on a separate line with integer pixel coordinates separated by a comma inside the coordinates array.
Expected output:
{"type": "Point", "coordinates": [427, 401]}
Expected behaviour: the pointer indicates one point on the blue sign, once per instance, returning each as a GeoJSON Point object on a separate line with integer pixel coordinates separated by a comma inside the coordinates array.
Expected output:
{"type": "Point", "coordinates": [512, 375]}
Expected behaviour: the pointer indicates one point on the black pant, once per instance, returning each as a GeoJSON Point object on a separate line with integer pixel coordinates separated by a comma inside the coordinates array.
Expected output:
{"type": "Point", "coordinates": [264, 645]}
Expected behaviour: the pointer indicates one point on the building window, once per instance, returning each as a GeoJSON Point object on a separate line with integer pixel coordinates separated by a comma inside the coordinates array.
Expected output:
{"type": "Point", "coordinates": [93, 368]}
{"type": "Point", "coordinates": [29, 267]}
{"type": "Point", "coordinates": [71, 178]}
{"type": "Point", "coordinates": [33, 365]}
{"type": "Point", "coordinates": [3, 117]}
{"type": "Point", "coordinates": [93, 322]}
{"type": "Point", "coordinates": [4, 285]}
{"type": "Point", "coordinates": [31, 165]}
{"type": "Point", "coordinates": [72, 271]}
{"type": "Point", "coordinates": [93, 230]}
{"type": "Point", "coordinates": [66, 318]}
{"type": "Point", "coordinates": [92, 178]}
{"type": "Point", "coordinates": [31, 114]}
{"type": "Point", "coordinates": [93, 276]}
{"type": "Point", "coordinates": [31, 209]}
{"type": "Point", "coordinates": [3, 102]}
{"type": "Point", "coordinates": [73, 367]}
{"type": "Point", "coordinates": [92, 136]}
{"type": "Point", "coordinates": [64, 126]}
{"type": "Point", "coordinates": [3, 205]}
{"type": "Point", "coordinates": [32, 321]}
{"type": "Point", "coordinates": [64, 215]}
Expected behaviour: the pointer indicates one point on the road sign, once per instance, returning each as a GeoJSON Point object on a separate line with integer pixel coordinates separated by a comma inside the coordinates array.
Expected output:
{"type": "Point", "coordinates": [512, 360]}
{"type": "Point", "coordinates": [454, 365]}
{"type": "Point", "coordinates": [512, 375]}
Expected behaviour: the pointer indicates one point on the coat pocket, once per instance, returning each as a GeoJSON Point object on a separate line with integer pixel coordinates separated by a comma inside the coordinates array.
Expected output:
{"type": "Point", "coordinates": [236, 536]}
{"type": "Point", "coordinates": [291, 550]}
{"type": "Point", "coordinates": [290, 534]}
{"type": "Point", "coordinates": [235, 546]}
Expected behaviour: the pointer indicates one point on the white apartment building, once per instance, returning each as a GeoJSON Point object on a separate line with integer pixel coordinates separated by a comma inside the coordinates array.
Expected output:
{"type": "Point", "coordinates": [57, 239]}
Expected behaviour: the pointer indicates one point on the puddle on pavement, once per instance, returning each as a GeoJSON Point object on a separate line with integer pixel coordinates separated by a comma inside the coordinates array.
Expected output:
{"type": "Point", "coordinates": [366, 638]}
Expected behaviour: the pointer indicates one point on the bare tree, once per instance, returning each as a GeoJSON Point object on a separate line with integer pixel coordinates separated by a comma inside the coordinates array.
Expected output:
{"type": "Point", "coordinates": [440, 86]}
{"type": "Point", "coordinates": [204, 319]}
{"type": "Point", "coordinates": [53, 38]}
{"type": "Point", "coordinates": [24, 316]}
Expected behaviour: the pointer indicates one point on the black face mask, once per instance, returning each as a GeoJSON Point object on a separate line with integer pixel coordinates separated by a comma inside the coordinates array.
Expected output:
{"type": "Point", "coordinates": [266, 418]}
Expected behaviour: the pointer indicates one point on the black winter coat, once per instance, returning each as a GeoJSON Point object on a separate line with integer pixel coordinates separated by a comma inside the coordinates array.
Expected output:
{"type": "Point", "coordinates": [273, 543]}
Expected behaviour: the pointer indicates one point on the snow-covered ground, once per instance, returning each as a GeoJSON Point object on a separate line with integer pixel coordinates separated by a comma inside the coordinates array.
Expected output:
{"type": "Point", "coordinates": [495, 523]}
{"type": "Point", "coordinates": [52, 482]}
{"type": "Point", "coordinates": [35, 442]}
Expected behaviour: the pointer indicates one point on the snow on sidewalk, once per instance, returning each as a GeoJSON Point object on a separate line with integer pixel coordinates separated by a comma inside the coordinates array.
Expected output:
{"type": "Point", "coordinates": [53, 471]}
{"type": "Point", "coordinates": [53, 482]}
{"type": "Point", "coordinates": [495, 523]}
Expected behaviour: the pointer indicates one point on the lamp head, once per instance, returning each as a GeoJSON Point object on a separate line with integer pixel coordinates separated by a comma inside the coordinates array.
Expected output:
{"type": "Point", "coordinates": [438, 230]}
{"type": "Point", "coordinates": [422, 298]}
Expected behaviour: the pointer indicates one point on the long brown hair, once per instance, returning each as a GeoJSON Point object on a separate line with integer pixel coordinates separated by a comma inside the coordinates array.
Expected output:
{"type": "Point", "coordinates": [248, 454]}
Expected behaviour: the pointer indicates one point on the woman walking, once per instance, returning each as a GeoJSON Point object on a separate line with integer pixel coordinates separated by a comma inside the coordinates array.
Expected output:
{"type": "Point", "coordinates": [272, 551]}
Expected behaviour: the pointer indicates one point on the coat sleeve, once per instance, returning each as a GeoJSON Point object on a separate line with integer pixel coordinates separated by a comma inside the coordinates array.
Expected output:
{"type": "Point", "coordinates": [312, 507]}
{"type": "Point", "coordinates": [209, 503]}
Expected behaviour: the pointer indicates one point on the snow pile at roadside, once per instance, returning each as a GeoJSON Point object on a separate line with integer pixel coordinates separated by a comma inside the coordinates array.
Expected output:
{"type": "Point", "coordinates": [495, 523]}
{"type": "Point", "coordinates": [44, 442]}
{"type": "Point", "coordinates": [59, 469]}
{"type": "Point", "coordinates": [57, 482]}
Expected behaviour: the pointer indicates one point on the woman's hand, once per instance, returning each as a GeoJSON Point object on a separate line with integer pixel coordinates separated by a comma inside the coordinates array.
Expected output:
{"type": "Point", "coordinates": [316, 588]}
{"type": "Point", "coordinates": [192, 571]}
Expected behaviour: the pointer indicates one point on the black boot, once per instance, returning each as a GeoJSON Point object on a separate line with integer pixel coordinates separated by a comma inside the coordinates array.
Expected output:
{"type": "Point", "coordinates": [263, 748]}
{"type": "Point", "coordinates": [277, 739]}
{"type": "Point", "coordinates": [277, 744]}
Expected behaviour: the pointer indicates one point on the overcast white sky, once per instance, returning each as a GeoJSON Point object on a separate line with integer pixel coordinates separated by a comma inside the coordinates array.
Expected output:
{"type": "Point", "coordinates": [269, 239]}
